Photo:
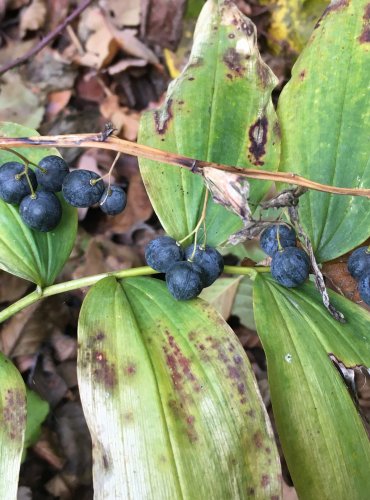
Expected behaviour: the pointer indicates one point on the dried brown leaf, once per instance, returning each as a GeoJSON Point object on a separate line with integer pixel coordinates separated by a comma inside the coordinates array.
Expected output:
{"type": "Point", "coordinates": [132, 46]}
{"type": "Point", "coordinates": [123, 119]}
{"type": "Point", "coordinates": [32, 17]}
{"type": "Point", "coordinates": [229, 190]}
{"type": "Point", "coordinates": [24, 333]}
{"type": "Point", "coordinates": [124, 64]}
{"type": "Point", "coordinates": [18, 103]}
{"type": "Point", "coordinates": [57, 101]}
{"type": "Point", "coordinates": [11, 287]}
{"type": "Point", "coordinates": [162, 22]}
{"type": "Point", "coordinates": [123, 13]}
{"type": "Point", "coordinates": [100, 44]}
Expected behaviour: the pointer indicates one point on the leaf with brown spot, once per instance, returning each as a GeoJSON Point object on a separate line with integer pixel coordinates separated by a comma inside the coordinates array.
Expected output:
{"type": "Point", "coordinates": [174, 410]}
{"type": "Point", "coordinates": [12, 426]}
{"type": "Point", "coordinates": [218, 109]}
{"type": "Point", "coordinates": [325, 123]}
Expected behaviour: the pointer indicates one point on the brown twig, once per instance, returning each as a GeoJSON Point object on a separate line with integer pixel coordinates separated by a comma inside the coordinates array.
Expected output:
{"type": "Point", "coordinates": [46, 40]}
{"type": "Point", "coordinates": [196, 166]}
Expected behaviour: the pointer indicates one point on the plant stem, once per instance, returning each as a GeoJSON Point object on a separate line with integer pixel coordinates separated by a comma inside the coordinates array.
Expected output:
{"type": "Point", "coordinates": [113, 143]}
{"type": "Point", "coordinates": [68, 286]}
{"type": "Point", "coordinates": [248, 271]}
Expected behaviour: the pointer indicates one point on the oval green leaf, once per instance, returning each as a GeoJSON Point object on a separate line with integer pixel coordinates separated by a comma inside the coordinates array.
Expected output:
{"type": "Point", "coordinates": [170, 399]}
{"type": "Point", "coordinates": [12, 427]}
{"type": "Point", "coordinates": [32, 255]}
{"type": "Point", "coordinates": [324, 117]}
{"type": "Point", "coordinates": [219, 109]}
{"type": "Point", "coordinates": [323, 438]}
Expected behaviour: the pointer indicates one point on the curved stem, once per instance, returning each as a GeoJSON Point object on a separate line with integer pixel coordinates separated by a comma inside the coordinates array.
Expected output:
{"type": "Point", "coordinates": [248, 271]}
{"type": "Point", "coordinates": [195, 166]}
{"type": "Point", "coordinates": [68, 286]}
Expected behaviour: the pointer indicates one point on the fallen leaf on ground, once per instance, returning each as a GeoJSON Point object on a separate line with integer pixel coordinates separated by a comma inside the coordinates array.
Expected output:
{"type": "Point", "coordinates": [162, 22]}
{"type": "Point", "coordinates": [100, 44]}
{"type": "Point", "coordinates": [11, 287]}
{"type": "Point", "coordinates": [32, 17]}
{"type": "Point", "coordinates": [56, 102]}
{"type": "Point", "coordinates": [123, 119]}
{"type": "Point", "coordinates": [18, 103]}
{"type": "Point", "coordinates": [123, 13]}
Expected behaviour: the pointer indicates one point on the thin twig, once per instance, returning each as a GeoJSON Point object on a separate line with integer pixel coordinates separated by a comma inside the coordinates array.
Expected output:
{"type": "Point", "coordinates": [46, 40]}
{"type": "Point", "coordinates": [195, 166]}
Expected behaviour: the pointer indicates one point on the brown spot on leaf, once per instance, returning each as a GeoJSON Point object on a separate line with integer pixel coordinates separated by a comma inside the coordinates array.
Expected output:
{"type": "Point", "coordinates": [276, 130]}
{"type": "Point", "coordinates": [241, 388]}
{"type": "Point", "coordinates": [250, 492]}
{"type": "Point", "coordinates": [302, 75]}
{"type": "Point", "coordinates": [103, 371]}
{"type": "Point", "coordinates": [163, 116]}
{"type": "Point", "coordinates": [258, 139]}
{"type": "Point", "coordinates": [179, 365]}
{"type": "Point", "coordinates": [334, 6]}
{"type": "Point", "coordinates": [258, 439]}
{"type": "Point", "coordinates": [14, 413]}
{"type": "Point", "coordinates": [231, 35]}
{"type": "Point", "coordinates": [191, 78]}
{"type": "Point", "coordinates": [265, 480]}
{"type": "Point", "coordinates": [105, 461]}
{"type": "Point", "coordinates": [247, 27]}
{"type": "Point", "coordinates": [365, 35]}
{"type": "Point", "coordinates": [128, 416]}
{"type": "Point", "coordinates": [232, 59]}
{"type": "Point", "coordinates": [130, 369]}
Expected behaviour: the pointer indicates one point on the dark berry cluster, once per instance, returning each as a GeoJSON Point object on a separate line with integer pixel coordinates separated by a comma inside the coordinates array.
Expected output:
{"type": "Point", "coordinates": [34, 191]}
{"type": "Point", "coordinates": [187, 270]}
{"type": "Point", "coordinates": [290, 265]}
{"type": "Point", "coordinates": [359, 267]}
{"type": "Point", "coordinates": [83, 188]}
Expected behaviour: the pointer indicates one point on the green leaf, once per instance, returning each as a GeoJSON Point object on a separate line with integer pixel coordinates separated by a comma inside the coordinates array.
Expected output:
{"type": "Point", "coordinates": [170, 399]}
{"type": "Point", "coordinates": [12, 426]}
{"type": "Point", "coordinates": [324, 116]}
{"type": "Point", "coordinates": [32, 255]}
{"type": "Point", "coordinates": [323, 438]}
{"type": "Point", "coordinates": [219, 109]}
{"type": "Point", "coordinates": [37, 411]}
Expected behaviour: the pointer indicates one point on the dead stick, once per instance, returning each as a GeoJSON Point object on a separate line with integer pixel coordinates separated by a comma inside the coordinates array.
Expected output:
{"type": "Point", "coordinates": [45, 41]}
{"type": "Point", "coordinates": [196, 166]}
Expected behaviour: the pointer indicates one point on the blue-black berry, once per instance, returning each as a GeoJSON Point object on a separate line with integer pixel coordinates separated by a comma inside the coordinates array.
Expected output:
{"type": "Point", "coordinates": [79, 191]}
{"type": "Point", "coordinates": [56, 170]}
{"type": "Point", "coordinates": [359, 262]}
{"type": "Point", "coordinates": [163, 252]}
{"type": "Point", "coordinates": [184, 280]}
{"type": "Point", "coordinates": [42, 212]}
{"type": "Point", "coordinates": [364, 286]}
{"type": "Point", "coordinates": [12, 190]}
{"type": "Point", "coordinates": [113, 200]}
{"type": "Point", "coordinates": [209, 260]}
{"type": "Point", "coordinates": [269, 238]}
{"type": "Point", "coordinates": [290, 266]}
